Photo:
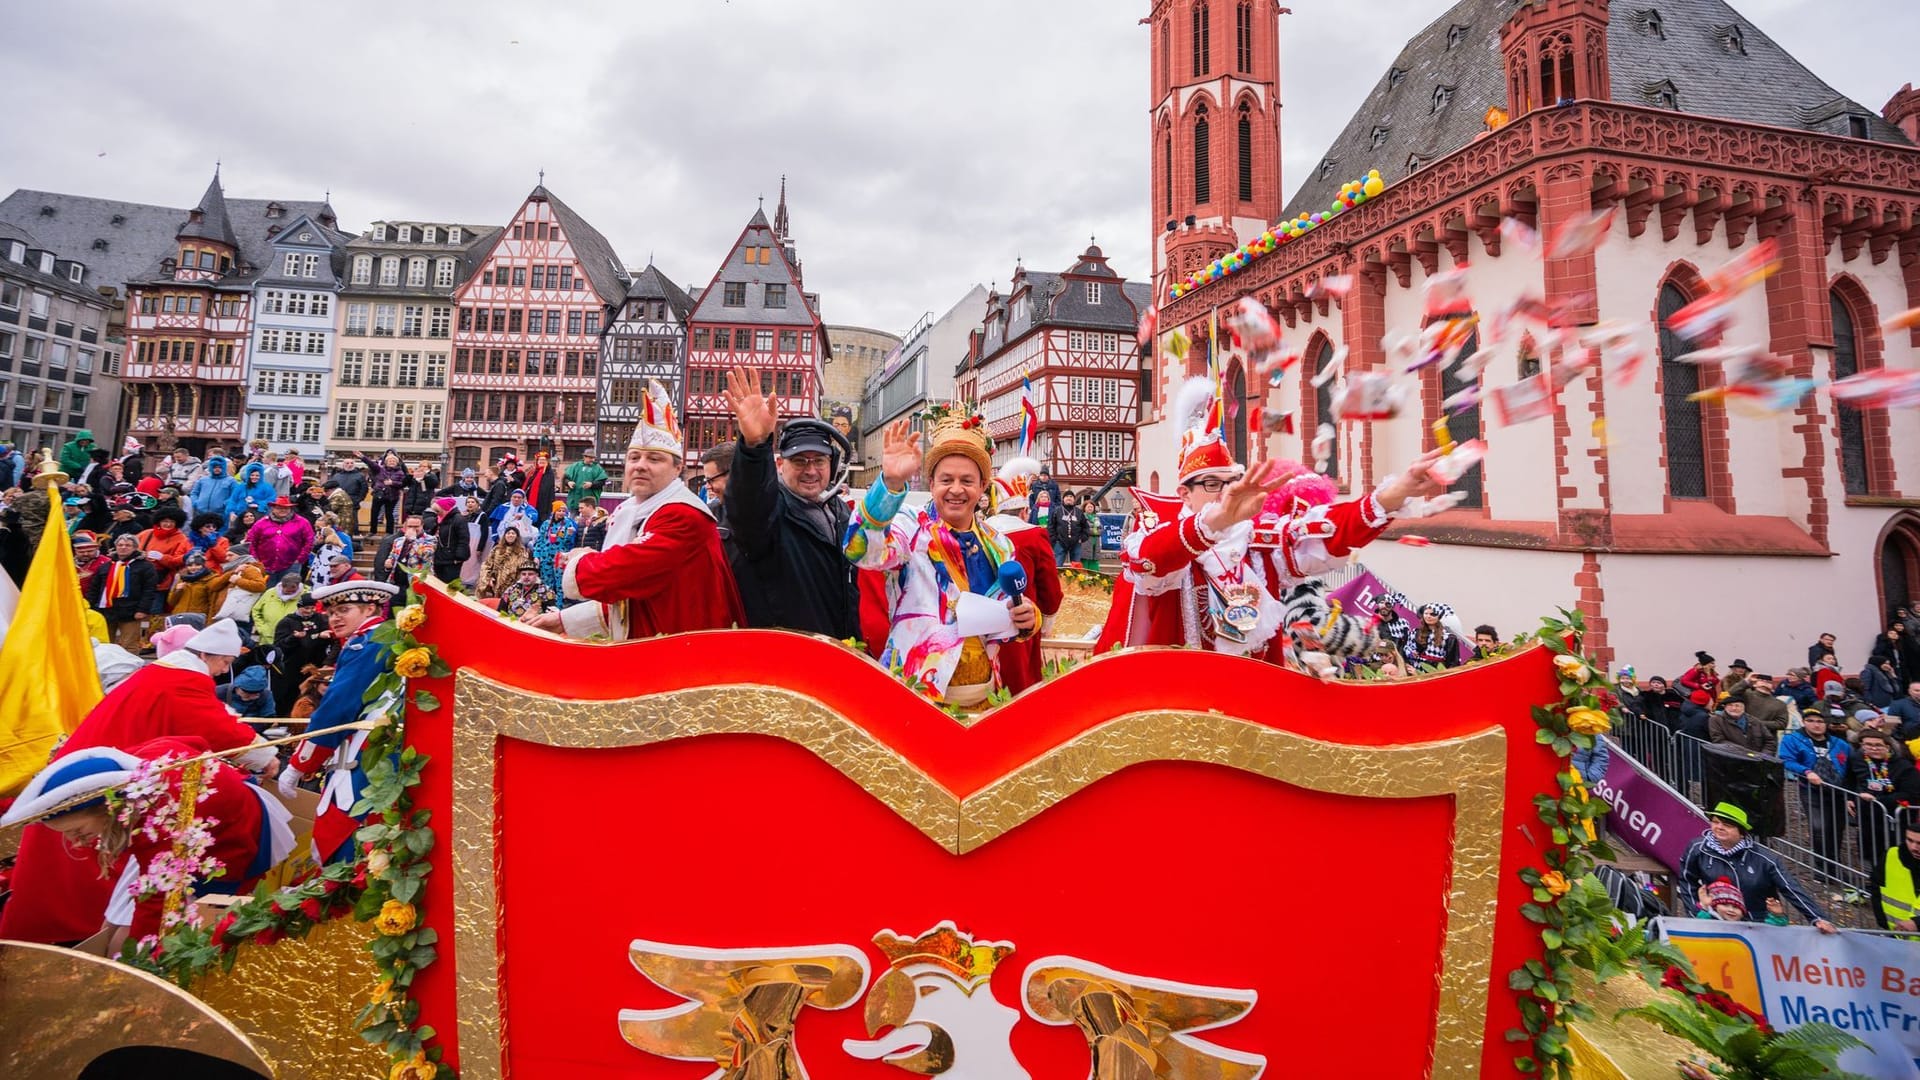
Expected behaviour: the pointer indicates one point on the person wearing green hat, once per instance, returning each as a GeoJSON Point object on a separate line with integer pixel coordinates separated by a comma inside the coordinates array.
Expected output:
{"type": "Point", "coordinates": [1726, 851]}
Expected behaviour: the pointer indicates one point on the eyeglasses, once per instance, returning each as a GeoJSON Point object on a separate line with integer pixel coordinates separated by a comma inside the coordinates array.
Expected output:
{"type": "Point", "coordinates": [1210, 484]}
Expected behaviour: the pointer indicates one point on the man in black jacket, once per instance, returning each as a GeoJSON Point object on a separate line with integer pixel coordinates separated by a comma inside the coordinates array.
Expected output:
{"type": "Point", "coordinates": [1068, 530]}
{"type": "Point", "coordinates": [298, 640]}
{"type": "Point", "coordinates": [787, 522]}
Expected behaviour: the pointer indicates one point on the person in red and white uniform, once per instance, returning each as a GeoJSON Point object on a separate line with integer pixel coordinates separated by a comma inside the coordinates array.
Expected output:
{"type": "Point", "coordinates": [1020, 660]}
{"type": "Point", "coordinates": [661, 569]}
{"type": "Point", "coordinates": [1199, 570]}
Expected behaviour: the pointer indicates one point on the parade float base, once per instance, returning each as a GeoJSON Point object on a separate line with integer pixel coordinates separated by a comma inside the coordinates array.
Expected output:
{"type": "Point", "coordinates": [1628, 1048]}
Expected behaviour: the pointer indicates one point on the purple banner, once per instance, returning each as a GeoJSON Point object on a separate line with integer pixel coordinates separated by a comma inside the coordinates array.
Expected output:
{"type": "Point", "coordinates": [1647, 815]}
{"type": "Point", "coordinates": [1356, 598]}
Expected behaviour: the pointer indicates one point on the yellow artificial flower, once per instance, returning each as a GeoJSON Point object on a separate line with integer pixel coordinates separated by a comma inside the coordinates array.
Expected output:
{"type": "Point", "coordinates": [415, 1068]}
{"type": "Point", "coordinates": [1572, 668]}
{"type": "Point", "coordinates": [1555, 882]}
{"type": "Point", "coordinates": [382, 992]}
{"type": "Point", "coordinates": [411, 618]}
{"type": "Point", "coordinates": [413, 663]}
{"type": "Point", "coordinates": [1588, 721]}
{"type": "Point", "coordinates": [395, 918]}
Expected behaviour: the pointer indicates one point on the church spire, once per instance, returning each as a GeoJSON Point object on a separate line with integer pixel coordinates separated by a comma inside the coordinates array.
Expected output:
{"type": "Point", "coordinates": [780, 214]}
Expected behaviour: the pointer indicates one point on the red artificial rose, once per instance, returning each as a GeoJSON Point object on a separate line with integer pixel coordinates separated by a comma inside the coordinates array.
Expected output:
{"type": "Point", "coordinates": [218, 939]}
{"type": "Point", "coordinates": [329, 886]}
{"type": "Point", "coordinates": [360, 876]}
{"type": "Point", "coordinates": [268, 936]}
{"type": "Point", "coordinates": [1607, 700]}
{"type": "Point", "coordinates": [312, 908]}
{"type": "Point", "coordinates": [1674, 979]}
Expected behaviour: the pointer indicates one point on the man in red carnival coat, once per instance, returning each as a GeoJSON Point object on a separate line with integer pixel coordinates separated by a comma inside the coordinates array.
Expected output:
{"type": "Point", "coordinates": [1199, 570]}
{"type": "Point", "coordinates": [1021, 661]}
{"type": "Point", "coordinates": [661, 569]}
{"type": "Point", "coordinates": [58, 892]}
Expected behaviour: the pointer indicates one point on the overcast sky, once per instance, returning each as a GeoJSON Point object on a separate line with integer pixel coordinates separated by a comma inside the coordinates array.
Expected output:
{"type": "Point", "coordinates": [926, 145]}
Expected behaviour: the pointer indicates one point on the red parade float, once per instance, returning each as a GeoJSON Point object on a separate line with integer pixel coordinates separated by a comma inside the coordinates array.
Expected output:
{"type": "Point", "coordinates": [760, 851]}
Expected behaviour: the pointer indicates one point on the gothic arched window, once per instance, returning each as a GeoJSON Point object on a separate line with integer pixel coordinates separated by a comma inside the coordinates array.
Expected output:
{"type": "Point", "coordinates": [1202, 171]}
{"type": "Point", "coordinates": [1246, 154]}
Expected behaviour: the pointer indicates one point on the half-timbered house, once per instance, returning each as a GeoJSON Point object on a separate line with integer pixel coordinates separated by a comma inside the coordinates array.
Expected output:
{"type": "Point", "coordinates": [755, 312]}
{"type": "Point", "coordinates": [190, 319]}
{"type": "Point", "coordinates": [1072, 335]}
{"type": "Point", "coordinates": [646, 342]}
{"type": "Point", "coordinates": [526, 346]}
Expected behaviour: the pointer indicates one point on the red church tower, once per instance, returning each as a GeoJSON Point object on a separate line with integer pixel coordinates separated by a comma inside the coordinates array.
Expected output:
{"type": "Point", "coordinates": [1216, 129]}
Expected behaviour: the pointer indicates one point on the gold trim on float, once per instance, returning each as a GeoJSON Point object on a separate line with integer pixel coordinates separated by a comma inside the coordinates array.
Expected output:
{"type": "Point", "coordinates": [62, 1008]}
{"type": "Point", "coordinates": [1468, 768]}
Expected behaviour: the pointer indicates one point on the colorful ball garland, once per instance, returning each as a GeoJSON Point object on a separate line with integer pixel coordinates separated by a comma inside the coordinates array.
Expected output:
{"type": "Point", "coordinates": [1352, 194]}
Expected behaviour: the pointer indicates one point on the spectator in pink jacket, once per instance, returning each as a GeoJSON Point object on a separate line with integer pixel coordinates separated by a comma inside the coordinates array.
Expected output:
{"type": "Point", "coordinates": [281, 540]}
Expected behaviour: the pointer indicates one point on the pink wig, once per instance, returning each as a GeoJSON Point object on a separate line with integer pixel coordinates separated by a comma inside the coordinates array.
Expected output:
{"type": "Point", "coordinates": [1302, 490]}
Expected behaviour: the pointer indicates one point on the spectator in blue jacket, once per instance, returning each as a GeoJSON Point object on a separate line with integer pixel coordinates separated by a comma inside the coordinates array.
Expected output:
{"type": "Point", "coordinates": [249, 695]}
{"type": "Point", "coordinates": [1880, 682]}
{"type": "Point", "coordinates": [214, 489]}
{"type": "Point", "coordinates": [1907, 712]}
{"type": "Point", "coordinates": [1819, 761]}
{"type": "Point", "coordinates": [1798, 685]}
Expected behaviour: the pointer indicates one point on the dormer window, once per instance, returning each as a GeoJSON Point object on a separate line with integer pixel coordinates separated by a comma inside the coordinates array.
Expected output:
{"type": "Point", "coordinates": [17, 252]}
{"type": "Point", "coordinates": [1664, 95]}
{"type": "Point", "coordinates": [406, 234]}
{"type": "Point", "coordinates": [119, 219]}
{"type": "Point", "coordinates": [429, 234]}
{"type": "Point", "coordinates": [100, 245]}
{"type": "Point", "coordinates": [453, 234]}
{"type": "Point", "coordinates": [1414, 162]}
{"type": "Point", "coordinates": [1647, 21]}
{"type": "Point", "coordinates": [1858, 126]}
{"type": "Point", "coordinates": [380, 231]}
{"type": "Point", "coordinates": [1456, 34]}
{"type": "Point", "coordinates": [1729, 38]}
{"type": "Point", "coordinates": [1394, 75]}
{"type": "Point", "coordinates": [1379, 136]}
{"type": "Point", "coordinates": [1326, 168]}
{"type": "Point", "coordinates": [1441, 96]}
{"type": "Point", "coordinates": [275, 210]}
{"type": "Point", "coordinates": [75, 272]}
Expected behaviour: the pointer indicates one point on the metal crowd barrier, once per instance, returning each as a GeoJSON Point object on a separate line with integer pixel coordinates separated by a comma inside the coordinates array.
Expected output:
{"type": "Point", "coordinates": [1832, 840]}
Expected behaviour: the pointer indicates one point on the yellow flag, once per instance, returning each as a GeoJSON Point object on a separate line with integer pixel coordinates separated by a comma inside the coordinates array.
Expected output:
{"type": "Point", "coordinates": [48, 682]}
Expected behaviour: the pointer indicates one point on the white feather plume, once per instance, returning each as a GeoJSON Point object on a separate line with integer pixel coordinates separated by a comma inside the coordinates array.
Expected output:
{"type": "Point", "coordinates": [1020, 466]}
{"type": "Point", "coordinates": [1192, 402]}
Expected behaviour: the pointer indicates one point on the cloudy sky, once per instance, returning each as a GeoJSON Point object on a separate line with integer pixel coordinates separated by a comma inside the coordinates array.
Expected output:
{"type": "Point", "coordinates": [926, 145]}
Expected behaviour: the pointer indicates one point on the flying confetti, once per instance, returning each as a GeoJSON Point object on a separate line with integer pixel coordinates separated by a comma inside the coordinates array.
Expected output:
{"type": "Point", "coordinates": [1580, 235]}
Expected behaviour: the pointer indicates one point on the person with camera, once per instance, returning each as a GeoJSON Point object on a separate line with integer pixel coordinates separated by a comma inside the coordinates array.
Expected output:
{"type": "Point", "coordinates": [787, 518]}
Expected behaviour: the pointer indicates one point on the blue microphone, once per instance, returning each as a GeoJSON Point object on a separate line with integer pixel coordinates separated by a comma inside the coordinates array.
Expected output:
{"type": "Point", "coordinates": [1013, 581]}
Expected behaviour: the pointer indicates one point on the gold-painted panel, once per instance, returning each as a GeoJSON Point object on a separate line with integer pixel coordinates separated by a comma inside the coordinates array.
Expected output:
{"type": "Point", "coordinates": [61, 1008]}
{"type": "Point", "coordinates": [1468, 768]}
{"type": "Point", "coordinates": [297, 1000]}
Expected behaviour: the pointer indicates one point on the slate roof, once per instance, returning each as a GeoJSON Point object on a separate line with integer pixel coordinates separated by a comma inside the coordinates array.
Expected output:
{"type": "Point", "coordinates": [597, 257]}
{"type": "Point", "coordinates": [1434, 97]}
{"type": "Point", "coordinates": [213, 224]}
{"type": "Point", "coordinates": [1061, 300]}
{"type": "Point", "coordinates": [30, 272]}
{"type": "Point", "coordinates": [255, 232]}
{"type": "Point", "coordinates": [651, 284]}
{"type": "Point", "coordinates": [135, 235]}
{"type": "Point", "coordinates": [778, 270]}
{"type": "Point", "coordinates": [476, 241]}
